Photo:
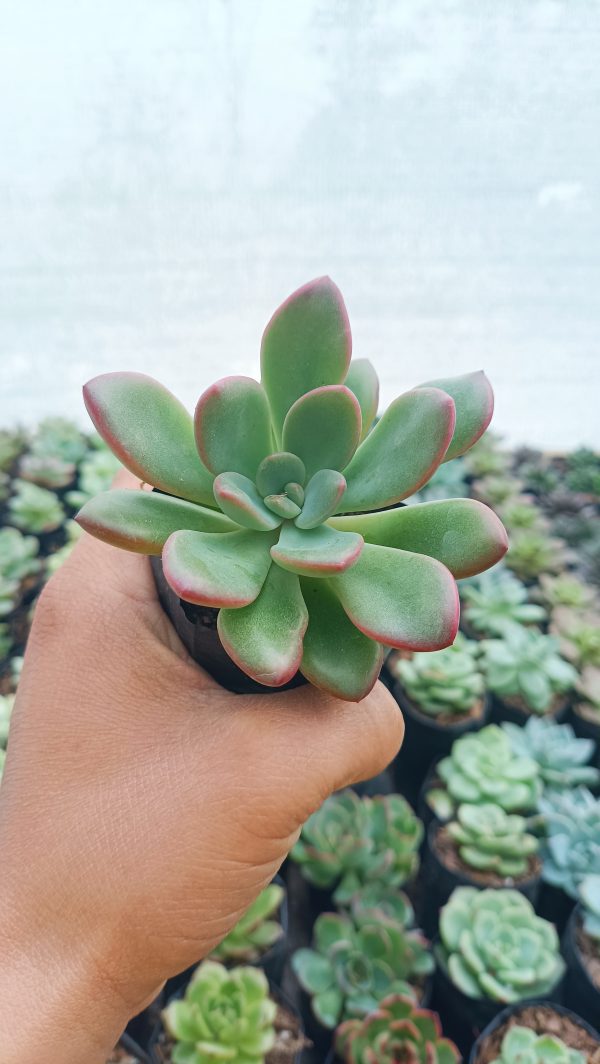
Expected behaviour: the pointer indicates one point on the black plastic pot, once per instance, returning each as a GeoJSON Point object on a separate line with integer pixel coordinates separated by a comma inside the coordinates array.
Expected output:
{"type": "Point", "coordinates": [127, 1043]}
{"type": "Point", "coordinates": [464, 1018]}
{"type": "Point", "coordinates": [196, 626]}
{"type": "Point", "coordinates": [514, 1010]}
{"type": "Point", "coordinates": [580, 992]}
{"type": "Point", "coordinates": [138, 1034]}
{"type": "Point", "coordinates": [439, 881]}
{"type": "Point", "coordinates": [426, 740]}
{"type": "Point", "coordinates": [555, 905]}
{"type": "Point", "coordinates": [585, 728]}
{"type": "Point", "coordinates": [424, 810]}
{"type": "Point", "coordinates": [504, 710]}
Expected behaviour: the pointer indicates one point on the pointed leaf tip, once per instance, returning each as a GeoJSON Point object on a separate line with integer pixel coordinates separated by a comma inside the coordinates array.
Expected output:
{"type": "Point", "coordinates": [306, 344]}
{"type": "Point", "coordinates": [474, 401]}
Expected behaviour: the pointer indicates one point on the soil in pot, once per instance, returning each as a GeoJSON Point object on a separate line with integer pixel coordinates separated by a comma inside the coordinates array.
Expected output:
{"type": "Point", "coordinates": [428, 738]}
{"type": "Point", "coordinates": [543, 1019]}
{"type": "Point", "coordinates": [582, 984]}
{"type": "Point", "coordinates": [290, 1040]}
{"type": "Point", "coordinates": [513, 708]}
{"type": "Point", "coordinates": [444, 870]}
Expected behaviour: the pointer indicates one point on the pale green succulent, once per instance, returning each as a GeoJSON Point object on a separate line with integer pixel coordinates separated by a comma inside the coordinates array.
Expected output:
{"type": "Point", "coordinates": [255, 932]}
{"type": "Point", "coordinates": [482, 768]}
{"type": "Point", "coordinates": [566, 590]}
{"type": "Point", "coordinates": [96, 474]}
{"type": "Point", "coordinates": [527, 665]}
{"type": "Point", "coordinates": [521, 513]}
{"type": "Point", "coordinates": [490, 840]}
{"type": "Point", "coordinates": [589, 896]}
{"type": "Point", "coordinates": [561, 756]}
{"type": "Point", "coordinates": [579, 635]}
{"type": "Point", "coordinates": [9, 595]}
{"type": "Point", "coordinates": [442, 682]}
{"type": "Point", "coordinates": [497, 488]}
{"type": "Point", "coordinates": [521, 1045]}
{"type": "Point", "coordinates": [486, 458]}
{"type": "Point", "coordinates": [533, 552]}
{"type": "Point", "coordinates": [496, 603]}
{"type": "Point", "coordinates": [377, 902]}
{"type": "Point", "coordinates": [57, 437]}
{"type": "Point", "coordinates": [493, 945]}
{"type": "Point", "coordinates": [397, 1032]}
{"type": "Point", "coordinates": [572, 845]}
{"type": "Point", "coordinates": [35, 509]}
{"type": "Point", "coordinates": [225, 1015]}
{"type": "Point", "coordinates": [448, 482]}
{"type": "Point", "coordinates": [6, 707]}
{"type": "Point", "coordinates": [18, 555]}
{"type": "Point", "coordinates": [46, 470]}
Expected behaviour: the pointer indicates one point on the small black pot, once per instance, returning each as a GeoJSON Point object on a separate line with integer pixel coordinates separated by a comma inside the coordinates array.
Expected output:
{"type": "Point", "coordinates": [555, 905]}
{"type": "Point", "coordinates": [580, 992]}
{"type": "Point", "coordinates": [439, 882]}
{"type": "Point", "coordinates": [196, 626]}
{"type": "Point", "coordinates": [512, 1010]}
{"type": "Point", "coordinates": [424, 811]}
{"type": "Point", "coordinates": [130, 1046]}
{"type": "Point", "coordinates": [585, 728]}
{"type": "Point", "coordinates": [138, 1034]}
{"type": "Point", "coordinates": [426, 740]}
{"type": "Point", "coordinates": [464, 1018]}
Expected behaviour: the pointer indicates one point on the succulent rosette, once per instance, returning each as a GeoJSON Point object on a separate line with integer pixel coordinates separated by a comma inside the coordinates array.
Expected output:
{"type": "Point", "coordinates": [278, 504]}
{"type": "Point", "coordinates": [398, 1031]}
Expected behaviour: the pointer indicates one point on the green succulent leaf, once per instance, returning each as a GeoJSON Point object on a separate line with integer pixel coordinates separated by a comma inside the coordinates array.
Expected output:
{"type": "Point", "coordinates": [402, 451]}
{"type": "Point", "coordinates": [316, 551]}
{"type": "Point", "coordinates": [306, 344]}
{"type": "Point", "coordinates": [265, 638]}
{"type": "Point", "coordinates": [464, 535]}
{"type": "Point", "coordinates": [363, 381]}
{"type": "Point", "coordinates": [474, 401]}
{"type": "Point", "coordinates": [142, 521]}
{"type": "Point", "coordinates": [151, 433]}
{"type": "Point", "coordinates": [323, 428]}
{"type": "Point", "coordinates": [322, 497]}
{"type": "Point", "coordinates": [217, 569]}
{"type": "Point", "coordinates": [281, 505]}
{"type": "Point", "coordinates": [233, 426]}
{"type": "Point", "coordinates": [238, 499]}
{"type": "Point", "coordinates": [336, 657]}
{"type": "Point", "coordinates": [400, 599]}
{"type": "Point", "coordinates": [278, 470]}
{"type": "Point", "coordinates": [313, 971]}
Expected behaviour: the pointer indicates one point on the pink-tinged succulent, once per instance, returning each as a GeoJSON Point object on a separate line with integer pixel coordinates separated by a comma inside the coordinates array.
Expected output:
{"type": "Point", "coordinates": [278, 503]}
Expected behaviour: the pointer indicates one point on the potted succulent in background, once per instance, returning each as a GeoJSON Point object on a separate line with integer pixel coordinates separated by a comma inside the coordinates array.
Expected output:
{"type": "Point", "coordinates": [442, 696]}
{"type": "Point", "coordinates": [487, 458]}
{"type": "Point", "coordinates": [540, 1033]}
{"type": "Point", "coordinates": [561, 756]}
{"type": "Point", "coordinates": [522, 513]}
{"type": "Point", "coordinates": [275, 520]}
{"type": "Point", "coordinates": [578, 633]}
{"type": "Point", "coordinates": [526, 675]}
{"type": "Point", "coordinates": [496, 603]}
{"type": "Point", "coordinates": [493, 951]}
{"type": "Point", "coordinates": [35, 509]}
{"type": "Point", "coordinates": [571, 850]}
{"type": "Point", "coordinates": [581, 948]}
{"type": "Point", "coordinates": [533, 552]}
{"type": "Point", "coordinates": [398, 1031]}
{"type": "Point", "coordinates": [565, 590]}
{"type": "Point", "coordinates": [496, 489]}
{"type": "Point", "coordinates": [585, 710]}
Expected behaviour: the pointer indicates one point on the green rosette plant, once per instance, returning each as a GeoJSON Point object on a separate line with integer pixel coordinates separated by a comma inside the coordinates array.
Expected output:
{"type": "Point", "coordinates": [9, 595]}
{"type": "Point", "coordinates": [589, 896]}
{"type": "Point", "coordinates": [34, 509]}
{"type": "Point", "coordinates": [226, 1014]}
{"type": "Point", "coordinates": [351, 969]}
{"type": "Point", "coordinates": [18, 555]}
{"type": "Point", "coordinates": [96, 474]}
{"type": "Point", "coordinates": [496, 489]}
{"type": "Point", "coordinates": [493, 945]}
{"type": "Point", "coordinates": [482, 768]}
{"type": "Point", "coordinates": [521, 513]}
{"type": "Point", "coordinates": [583, 472]}
{"type": "Point", "coordinates": [562, 757]}
{"type": "Point", "coordinates": [46, 470]}
{"type": "Point", "coordinates": [533, 552]}
{"type": "Point", "coordinates": [579, 635]}
{"type": "Point", "coordinates": [571, 848]}
{"type": "Point", "coordinates": [442, 682]}
{"type": "Point", "coordinates": [398, 1031]}
{"type": "Point", "coordinates": [448, 482]}
{"type": "Point", "coordinates": [527, 666]}
{"type": "Point", "coordinates": [490, 840]}
{"type": "Point", "coordinates": [350, 842]}
{"type": "Point", "coordinates": [565, 590]}
{"type": "Point", "coordinates": [487, 458]}
{"type": "Point", "coordinates": [278, 504]}
{"type": "Point", "coordinates": [57, 437]}
{"type": "Point", "coordinates": [376, 903]}
{"type": "Point", "coordinates": [496, 603]}
{"type": "Point", "coordinates": [521, 1045]}
{"type": "Point", "coordinates": [256, 932]}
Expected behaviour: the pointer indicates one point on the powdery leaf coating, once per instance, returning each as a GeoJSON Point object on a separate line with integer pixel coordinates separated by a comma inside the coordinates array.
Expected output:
{"type": "Point", "coordinates": [323, 428]}
{"type": "Point", "coordinates": [316, 551]}
{"type": "Point", "coordinates": [323, 493]}
{"type": "Point", "coordinates": [217, 569]}
{"type": "Point", "coordinates": [238, 498]}
{"type": "Point", "coordinates": [233, 426]}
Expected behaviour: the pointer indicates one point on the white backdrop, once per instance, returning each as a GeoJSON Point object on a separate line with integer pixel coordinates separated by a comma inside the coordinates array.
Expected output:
{"type": "Point", "coordinates": [171, 169]}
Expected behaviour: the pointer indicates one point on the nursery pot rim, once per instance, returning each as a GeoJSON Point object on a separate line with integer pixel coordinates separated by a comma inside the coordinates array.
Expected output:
{"type": "Point", "coordinates": [509, 883]}
{"type": "Point", "coordinates": [519, 1006]}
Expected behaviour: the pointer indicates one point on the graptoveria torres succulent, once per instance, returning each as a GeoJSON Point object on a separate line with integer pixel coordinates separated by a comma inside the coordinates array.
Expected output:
{"type": "Point", "coordinates": [521, 1044]}
{"type": "Point", "coordinates": [491, 840]}
{"type": "Point", "coordinates": [572, 845]}
{"type": "Point", "coordinates": [351, 969]}
{"type": "Point", "coordinates": [397, 1031]}
{"type": "Point", "coordinates": [278, 505]}
{"type": "Point", "coordinates": [494, 946]}
{"type": "Point", "coordinates": [225, 1015]}
{"type": "Point", "coordinates": [256, 932]}
{"type": "Point", "coordinates": [442, 683]}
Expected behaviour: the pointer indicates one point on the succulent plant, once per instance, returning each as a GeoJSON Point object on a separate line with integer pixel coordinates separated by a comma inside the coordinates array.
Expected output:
{"type": "Point", "coordinates": [277, 505]}
{"type": "Point", "coordinates": [533, 552]}
{"type": "Point", "coordinates": [579, 635]}
{"type": "Point", "coordinates": [11, 445]}
{"type": "Point", "coordinates": [527, 665]}
{"type": "Point", "coordinates": [398, 1031]}
{"type": "Point", "coordinates": [59, 557]}
{"type": "Point", "coordinates": [256, 932]}
{"type": "Point", "coordinates": [34, 509]}
{"type": "Point", "coordinates": [46, 470]}
{"type": "Point", "coordinates": [350, 842]}
{"type": "Point", "coordinates": [496, 489]}
{"type": "Point", "coordinates": [225, 1015]}
{"type": "Point", "coordinates": [490, 840]}
{"type": "Point", "coordinates": [6, 707]}
{"type": "Point", "coordinates": [589, 896]}
{"type": "Point", "coordinates": [9, 595]}
{"type": "Point", "coordinates": [539, 475]}
{"type": "Point", "coordinates": [565, 590]}
{"type": "Point", "coordinates": [494, 946]}
{"type": "Point", "coordinates": [376, 903]}
{"type": "Point", "coordinates": [442, 682]}
{"type": "Point", "coordinates": [561, 756]}
{"type": "Point", "coordinates": [18, 555]}
{"type": "Point", "coordinates": [571, 848]}
{"type": "Point", "coordinates": [57, 437]}
{"type": "Point", "coordinates": [486, 458]}
{"type": "Point", "coordinates": [5, 641]}
{"type": "Point", "coordinates": [96, 474]}
{"type": "Point", "coordinates": [448, 482]}
{"type": "Point", "coordinates": [583, 472]}
{"type": "Point", "coordinates": [522, 513]}
{"type": "Point", "coordinates": [351, 969]}
{"type": "Point", "coordinates": [482, 768]}
{"type": "Point", "coordinates": [497, 602]}
{"type": "Point", "coordinates": [522, 1044]}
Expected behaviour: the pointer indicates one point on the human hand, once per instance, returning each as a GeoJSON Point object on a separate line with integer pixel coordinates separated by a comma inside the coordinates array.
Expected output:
{"type": "Point", "coordinates": [143, 807]}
